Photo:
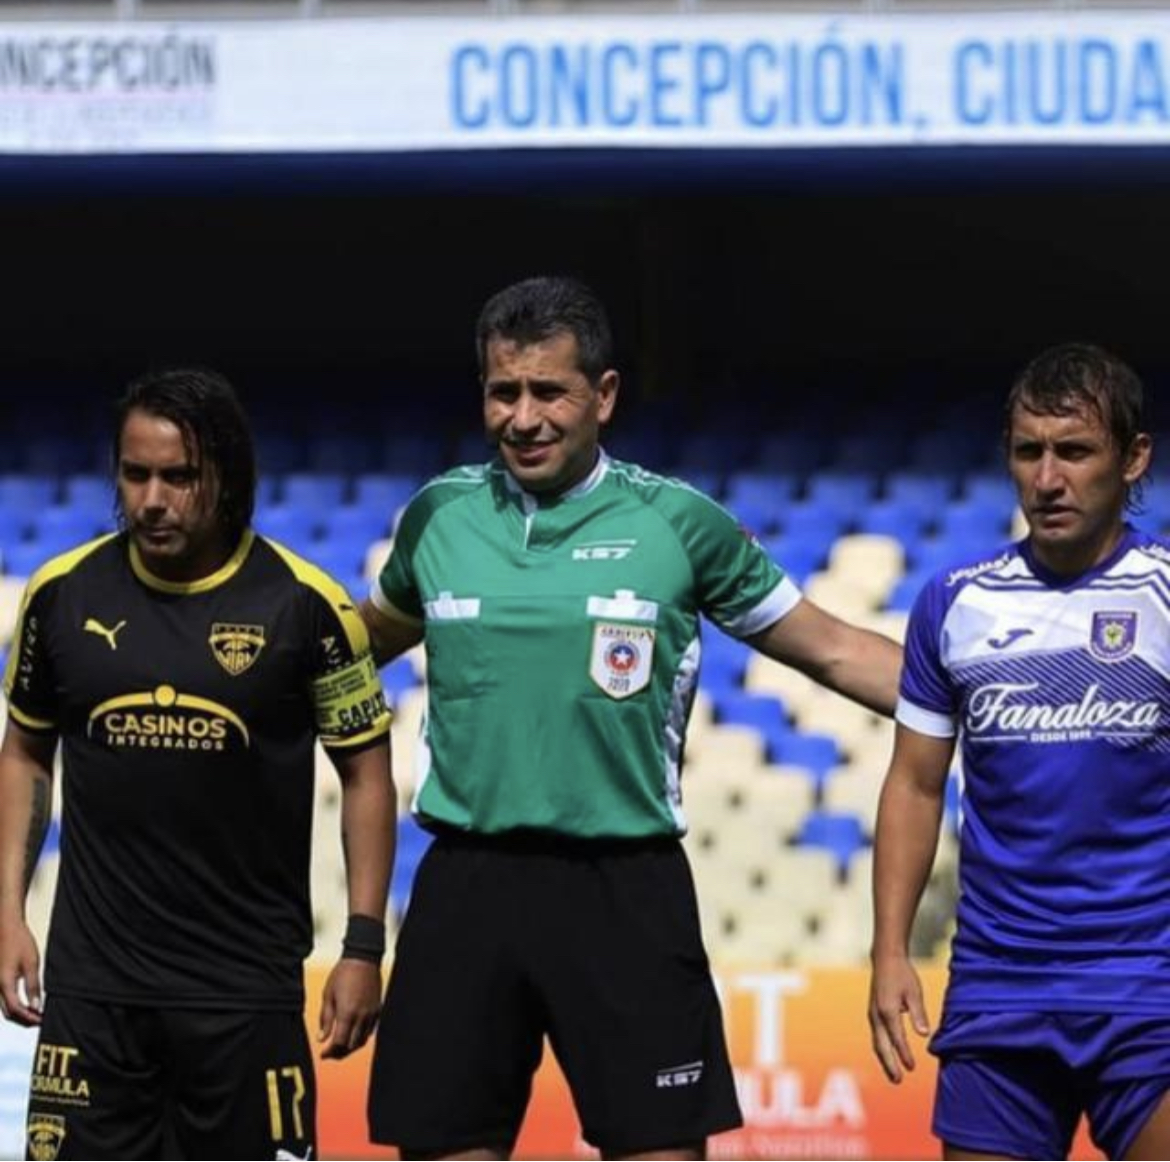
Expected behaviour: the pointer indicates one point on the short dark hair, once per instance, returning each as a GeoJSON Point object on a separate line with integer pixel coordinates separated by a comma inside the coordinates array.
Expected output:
{"type": "Point", "coordinates": [538, 309]}
{"type": "Point", "coordinates": [1073, 377]}
{"type": "Point", "coordinates": [203, 405]}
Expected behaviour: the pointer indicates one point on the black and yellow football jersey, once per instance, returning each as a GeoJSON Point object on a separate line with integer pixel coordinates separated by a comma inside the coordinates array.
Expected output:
{"type": "Point", "coordinates": [187, 714]}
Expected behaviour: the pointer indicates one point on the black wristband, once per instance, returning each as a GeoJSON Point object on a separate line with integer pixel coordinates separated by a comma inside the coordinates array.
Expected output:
{"type": "Point", "coordinates": [365, 939]}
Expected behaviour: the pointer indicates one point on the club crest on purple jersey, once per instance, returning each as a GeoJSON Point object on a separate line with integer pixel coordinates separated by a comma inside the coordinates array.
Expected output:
{"type": "Point", "coordinates": [1113, 635]}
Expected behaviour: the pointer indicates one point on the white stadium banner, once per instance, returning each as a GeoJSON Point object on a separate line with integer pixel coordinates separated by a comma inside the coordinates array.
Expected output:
{"type": "Point", "coordinates": [758, 81]}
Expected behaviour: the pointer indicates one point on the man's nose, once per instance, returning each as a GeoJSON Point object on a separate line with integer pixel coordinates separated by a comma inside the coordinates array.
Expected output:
{"type": "Point", "coordinates": [526, 414]}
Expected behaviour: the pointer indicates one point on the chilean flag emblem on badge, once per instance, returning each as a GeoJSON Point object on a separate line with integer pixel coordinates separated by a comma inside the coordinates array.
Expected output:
{"type": "Point", "coordinates": [622, 657]}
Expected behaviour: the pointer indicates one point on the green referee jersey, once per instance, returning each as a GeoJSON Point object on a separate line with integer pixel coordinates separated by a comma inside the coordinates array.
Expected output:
{"type": "Point", "coordinates": [187, 715]}
{"type": "Point", "coordinates": [562, 641]}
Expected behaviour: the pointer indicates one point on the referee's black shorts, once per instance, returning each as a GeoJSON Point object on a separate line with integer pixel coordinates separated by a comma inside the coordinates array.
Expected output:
{"type": "Point", "coordinates": [594, 943]}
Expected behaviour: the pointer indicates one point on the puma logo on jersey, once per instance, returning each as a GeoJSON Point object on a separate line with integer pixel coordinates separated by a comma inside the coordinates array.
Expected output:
{"type": "Point", "coordinates": [92, 625]}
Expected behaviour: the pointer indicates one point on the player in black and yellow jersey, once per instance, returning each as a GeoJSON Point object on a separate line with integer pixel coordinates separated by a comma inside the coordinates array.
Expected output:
{"type": "Point", "coordinates": [186, 665]}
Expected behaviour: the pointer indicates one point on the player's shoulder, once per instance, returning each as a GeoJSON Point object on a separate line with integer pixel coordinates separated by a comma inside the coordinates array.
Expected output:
{"type": "Point", "coordinates": [668, 495]}
{"type": "Point", "coordinates": [302, 573]}
{"type": "Point", "coordinates": [1149, 548]}
{"type": "Point", "coordinates": [999, 564]}
{"type": "Point", "coordinates": [460, 483]}
{"type": "Point", "coordinates": [81, 559]}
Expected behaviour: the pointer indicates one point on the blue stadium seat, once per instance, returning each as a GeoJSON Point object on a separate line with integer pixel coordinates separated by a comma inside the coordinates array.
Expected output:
{"type": "Point", "coordinates": [385, 491]}
{"type": "Point", "coordinates": [760, 519]}
{"type": "Point", "coordinates": [992, 488]}
{"type": "Point", "coordinates": [417, 455]}
{"type": "Point", "coordinates": [946, 450]}
{"type": "Point", "coordinates": [764, 713]}
{"type": "Point", "coordinates": [903, 520]}
{"type": "Point", "coordinates": [847, 493]}
{"type": "Point", "coordinates": [93, 491]}
{"type": "Point", "coordinates": [929, 492]}
{"type": "Point", "coordinates": [772, 490]}
{"type": "Point", "coordinates": [716, 452]}
{"type": "Point", "coordinates": [66, 526]}
{"type": "Point", "coordinates": [317, 491]}
{"type": "Point", "coordinates": [981, 525]}
{"type": "Point", "coordinates": [799, 554]}
{"type": "Point", "coordinates": [812, 519]}
{"type": "Point", "coordinates": [398, 677]}
{"type": "Point", "coordinates": [724, 659]}
{"type": "Point", "coordinates": [905, 592]}
{"type": "Point", "coordinates": [358, 522]}
{"type": "Point", "coordinates": [840, 832]}
{"type": "Point", "coordinates": [344, 559]}
{"type": "Point", "coordinates": [706, 481]}
{"type": "Point", "coordinates": [952, 803]}
{"type": "Point", "coordinates": [289, 524]}
{"type": "Point", "coordinates": [28, 491]}
{"type": "Point", "coordinates": [413, 843]}
{"type": "Point", "coordinates": [340, 453]}
{"type": "Point", "coordinates": [816, 753]}
{"type": "Point", "coordinates": [26, 557]}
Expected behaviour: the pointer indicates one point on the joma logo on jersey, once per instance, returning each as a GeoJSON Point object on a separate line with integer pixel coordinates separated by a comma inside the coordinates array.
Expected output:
{"type": "Point", "coordinates": [236, 647]}
{"type": "Point", "coordinates": [679, 1075]}
{"type": "Point", "coordinates": [604, 551]}
{"type": "Point", "coordinates": [164, 719]}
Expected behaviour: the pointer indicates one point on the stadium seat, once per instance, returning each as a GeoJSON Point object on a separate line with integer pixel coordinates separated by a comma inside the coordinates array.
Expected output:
{"type": "Point", "coordinates": [841, 833]}
{"type": "Point", "coordinates": [27, 492]}
{"type": "Point", "coordinates": [340, 453]}
{"type": "Point", "coordinates": [904, 519]}
{"type": "Point", "coordinates": [875, 453]}
{"type": "Point", "coordinates": [764, 713]}
{"type": "Point", "coordinates": [398, 677]}
{"type": "Point", "coordinates": [316, 491]}
{"type": "Point", "coordinates": [799, 554]}
{"type": "Point", "coordinates": [980, 524]}
{"type": "Point", "coordinates": [766, 491]}
{"type": "Point", "coordinates": [357, 522]}
{"type": "Point", "coordinates": [387, 492]}
{"type": "Point", "coordinates": [846, 493]}
{"type": "Point", "coordinates": [929, 492]}
{"type": "Point", "coordinates": [66, 525]}
{"type": "Point", "coordinates": [812, 518]}
{"type": "Point", "coordinates": [291, 525]}
{"type": "Point", "coordinates": [413, 843]}
{"type": "Point", "coordinates": [817, 754]}
{"type": "Point", "coordinates": [417, 455]}
{"type": "Point", "coordinates": [906, 589]}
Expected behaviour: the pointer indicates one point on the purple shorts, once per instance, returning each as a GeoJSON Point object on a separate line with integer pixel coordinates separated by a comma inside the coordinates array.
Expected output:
{"type": "Point", "coordinates": [1017, 1083]}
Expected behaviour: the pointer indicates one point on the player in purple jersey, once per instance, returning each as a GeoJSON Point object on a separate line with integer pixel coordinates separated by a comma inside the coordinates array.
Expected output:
{"type": "Point", "coordinates": [1047, 660]}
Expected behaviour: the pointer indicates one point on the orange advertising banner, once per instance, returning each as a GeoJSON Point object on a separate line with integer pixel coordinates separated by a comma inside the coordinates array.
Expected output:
{"type": "Point", "coordinates": [808, 1083]}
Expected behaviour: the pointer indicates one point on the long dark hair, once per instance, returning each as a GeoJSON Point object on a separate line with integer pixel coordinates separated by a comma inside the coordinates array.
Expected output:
{"type": "Point", "coordinates": [216, 434]}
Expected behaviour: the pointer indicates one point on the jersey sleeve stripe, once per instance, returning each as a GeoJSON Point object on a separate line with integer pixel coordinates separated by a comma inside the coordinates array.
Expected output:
{"type": "Point", "coordinates": [928, 722]}
{"type": "Point", "coordinates": [783, 599]}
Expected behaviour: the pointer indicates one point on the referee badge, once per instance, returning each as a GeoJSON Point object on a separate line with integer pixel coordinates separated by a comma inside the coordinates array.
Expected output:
{"type": "Point", "coordinates": [236, 647]}
{"type": "Point", "coordinates": [622, 658]}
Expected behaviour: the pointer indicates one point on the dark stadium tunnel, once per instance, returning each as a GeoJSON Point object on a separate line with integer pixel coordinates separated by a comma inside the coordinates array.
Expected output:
{"type": "Point", "coordinates": [727, 276]}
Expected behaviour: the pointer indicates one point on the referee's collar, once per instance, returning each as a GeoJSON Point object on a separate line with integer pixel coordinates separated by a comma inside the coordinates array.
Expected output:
{"type": "Point", "coordinates": [581, 488]}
